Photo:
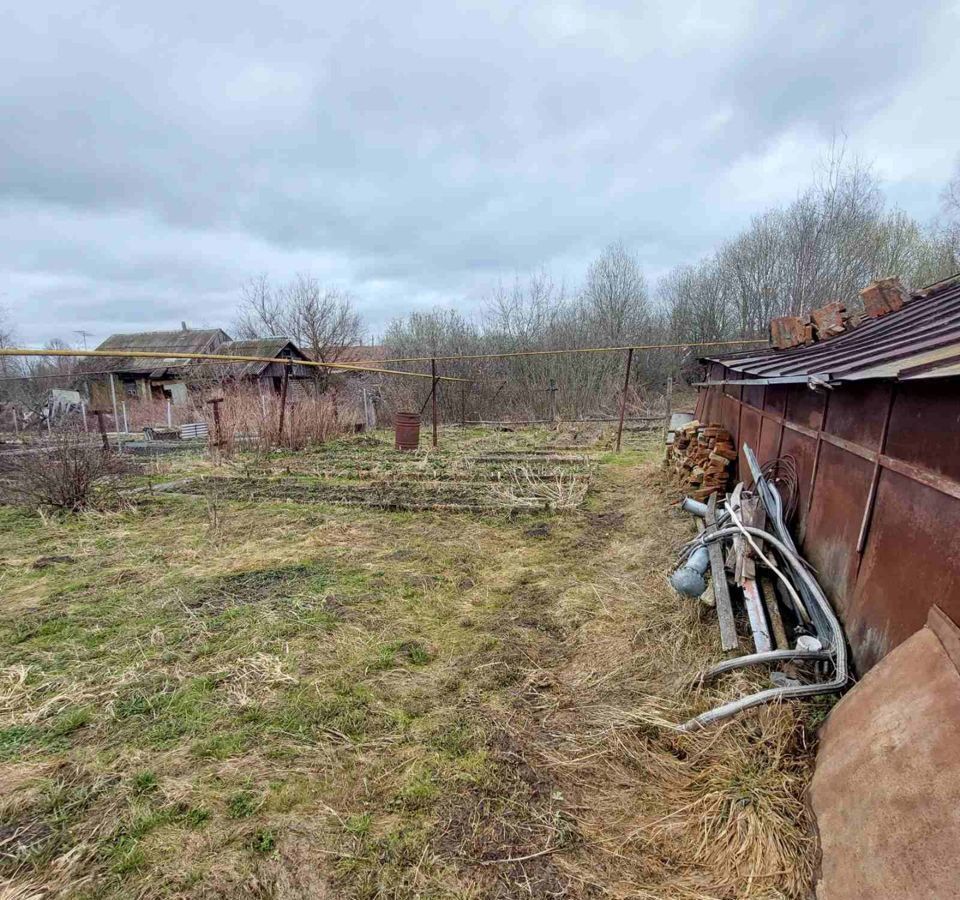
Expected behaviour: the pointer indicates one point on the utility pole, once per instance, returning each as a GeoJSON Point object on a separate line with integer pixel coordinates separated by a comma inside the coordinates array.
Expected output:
{"type": "Point", "coordinates": [623, 399]}
{"type": "Point", "coordinates": [84, 335]}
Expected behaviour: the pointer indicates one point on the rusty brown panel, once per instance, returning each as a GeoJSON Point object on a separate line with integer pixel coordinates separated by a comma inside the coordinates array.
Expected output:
{"type": "Point", "coordinates": [753, 394]}
{"type": "Point", "coordinates": [709, 403]}
{"type": "Point", "coordinates": [768, 440]}
{"type": "Point", "coordinates": [805, 406]}
{"type": "Point", "coordinates": [750, 423]}
{"type": "Point", "coordinates": [729, 414]}
{"type": "Point", "coordinates": [925, 426]}
{"type": "Point", "coordinates": [776, 398]}
{"type": "Point", "coordinates": [910, 562]}
{"type": "Point", "coordinates": [857, 412]}
{"type": "Point", "coordinates": [801, 448]}
{"type": "Point", "coordinates": [833, 524]}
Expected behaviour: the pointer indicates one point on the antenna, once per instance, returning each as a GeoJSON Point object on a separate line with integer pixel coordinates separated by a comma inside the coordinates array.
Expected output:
{"type": "Point", "coordinates": [84, 334]}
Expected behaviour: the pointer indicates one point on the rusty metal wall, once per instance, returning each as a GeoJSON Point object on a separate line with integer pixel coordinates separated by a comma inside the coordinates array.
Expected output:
{"type": "Point", "coordinates": [884, 556]}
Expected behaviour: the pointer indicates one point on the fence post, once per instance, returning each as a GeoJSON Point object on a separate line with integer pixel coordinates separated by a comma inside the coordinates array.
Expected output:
{"type": "Point", "coordinates": [116, 417]}
{"type": "Point", "coordinates": [433, 394]}
{"type": "Point", "coordinates": [102, 428]}
{"type": "Point", "coordinates": [283, 402]}
{"type": "Point", "coordinates": [669, 413]}
{"type": "Point", "coordinates": [623, 399]}
{"type": "Point", "coordinates": [217, 432]}
{"type": "Point", "coordinates": [126, 426]}
{"type": "Point", "coordinates": [169, 414]}
{"type": "Point", "coordinates": [463, 405]}
{"type": "Point", "coordinates": [83, 413]}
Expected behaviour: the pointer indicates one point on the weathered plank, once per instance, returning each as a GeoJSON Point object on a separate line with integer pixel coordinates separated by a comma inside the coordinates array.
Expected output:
{"type": "Point", "coordinates": [721, 591]}
{"type": "Point", "coordinates": [758, 621]}
{"type": "Point", "coordinates": [769, 593]}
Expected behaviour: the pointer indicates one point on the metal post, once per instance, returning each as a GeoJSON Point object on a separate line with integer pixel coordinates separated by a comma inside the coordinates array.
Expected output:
{"type": "Point", "coordinates": [116, 417]}
{"type": "Point", "coordinates": [433, 393]}
{"type": "Point", "coordinates": [553, 400]}
{"type": "Point", "coordinates": [283, 402]}
{"type": "Point", "coordinates": [126, 426]}
{"type": "Point", "coordinates": [169, 414]}
{"type": "Point", "coordinates": [83, 413]}
{"type": "Point", "coordinates": [463, 404]}
{"type": "Point", "coordinates": [16, 423]}
{"type": "Point", "coordinates": [623, 399]}
{"type": "Point", "coordinates": [49, 417]}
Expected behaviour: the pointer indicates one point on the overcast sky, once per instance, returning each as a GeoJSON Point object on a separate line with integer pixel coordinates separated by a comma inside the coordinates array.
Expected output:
{"type": "Point", "coordinates": [154, 156]}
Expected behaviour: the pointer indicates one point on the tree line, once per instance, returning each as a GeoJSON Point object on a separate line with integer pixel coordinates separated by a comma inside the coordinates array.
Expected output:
{"type": "Point", "coordinates": [836, 236]}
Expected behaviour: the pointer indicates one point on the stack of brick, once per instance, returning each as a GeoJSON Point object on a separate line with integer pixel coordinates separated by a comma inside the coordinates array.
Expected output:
{"type": "Point", "coordinates": [702, 457]}
{"type": "Point", "coordinates": [879, 298]}
{"type": "Point", "coordinates": [883, 296]}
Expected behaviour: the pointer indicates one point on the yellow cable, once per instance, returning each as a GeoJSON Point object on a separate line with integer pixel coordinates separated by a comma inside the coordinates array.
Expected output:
{"type": "Point", "coordinates": [155, 354]}
{"type": "Point", "coordinates": [512, 353]}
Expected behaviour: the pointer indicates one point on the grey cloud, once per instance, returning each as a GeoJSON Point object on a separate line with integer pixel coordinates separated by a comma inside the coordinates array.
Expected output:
{"type": "Point", "coordinates": [152, 159]}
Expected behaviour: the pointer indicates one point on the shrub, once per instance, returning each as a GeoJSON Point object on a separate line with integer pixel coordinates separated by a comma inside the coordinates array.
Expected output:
{"type": "Point", "coordinates": [70, 472]}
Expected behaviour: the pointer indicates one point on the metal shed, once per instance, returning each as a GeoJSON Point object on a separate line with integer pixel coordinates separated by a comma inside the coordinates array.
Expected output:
{"type": "Point", "coordinates": [872, 417]}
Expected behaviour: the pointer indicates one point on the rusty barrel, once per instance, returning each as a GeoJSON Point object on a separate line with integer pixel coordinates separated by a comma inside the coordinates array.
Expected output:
{"type": "Point", "coordinates": [407, 428]}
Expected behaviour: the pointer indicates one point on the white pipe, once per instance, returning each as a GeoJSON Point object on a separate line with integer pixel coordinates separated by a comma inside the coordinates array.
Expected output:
{"type": "Point", "coordinates": [123, 406]}
{"type": "Point", "coordinates": [838, 648]}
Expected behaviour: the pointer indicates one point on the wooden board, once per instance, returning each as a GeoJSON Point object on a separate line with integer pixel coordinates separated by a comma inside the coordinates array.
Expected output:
{"type": "Point", "coordinates": [721, 590]}
{"type": "Point", "coordinates": [758, 620]}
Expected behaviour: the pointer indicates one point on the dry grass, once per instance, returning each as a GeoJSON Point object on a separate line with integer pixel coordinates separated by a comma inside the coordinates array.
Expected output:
{"type": "Point", "coordinates": [318, 701]}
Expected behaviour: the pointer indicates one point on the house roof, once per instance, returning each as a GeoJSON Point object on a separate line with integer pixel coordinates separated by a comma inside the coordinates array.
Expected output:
{"type": "Point", "coordinates": [363, 353]}
{"type": "Point", "coordinates": [190, 340]}
{"type": "Point", "coordinates": [921, 340]}
{"type": "Point", "coordinates": [276, 347]}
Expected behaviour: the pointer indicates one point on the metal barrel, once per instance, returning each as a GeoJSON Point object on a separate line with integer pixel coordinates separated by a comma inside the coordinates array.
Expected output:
{"type": "Point", "coordinates": [407, 429]}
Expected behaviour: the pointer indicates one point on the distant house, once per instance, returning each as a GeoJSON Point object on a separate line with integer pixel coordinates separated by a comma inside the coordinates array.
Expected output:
{"type": "Point", "coordinates": [170, 378]}
{"type": "Point", "coordinates": [269, 375]}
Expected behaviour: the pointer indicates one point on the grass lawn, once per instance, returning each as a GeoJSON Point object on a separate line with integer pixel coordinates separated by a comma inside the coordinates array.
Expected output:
{"type": "Point", "coordinates": [261, 693]}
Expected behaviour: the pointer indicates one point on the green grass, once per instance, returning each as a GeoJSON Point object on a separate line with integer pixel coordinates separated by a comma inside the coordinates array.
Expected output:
{"type": "Point", "coordinates": [366, 701]}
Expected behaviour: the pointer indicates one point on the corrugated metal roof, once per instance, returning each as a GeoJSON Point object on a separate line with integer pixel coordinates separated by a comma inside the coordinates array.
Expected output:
{"type": "Point", "coordinates": [190, 340]}
{"type": "Point", "coordinates": [265, 346]}
{"type": "Point", "coordinates": [922, 340]}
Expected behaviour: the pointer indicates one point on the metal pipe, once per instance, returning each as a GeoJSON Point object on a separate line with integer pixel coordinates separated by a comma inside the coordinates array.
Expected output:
{"type": "Point", "coordinates": [837, 647]}
{"type": "Point", "coordinates": [623, 399]}
{"type": "Point", "coordinates": [759, 659]}
{"type": "Point", "coordinates": [694, 507]}
{"type": "Point", "coordinates": [433, 393]}
{"type": "Point", "coordinates": [688, 579]}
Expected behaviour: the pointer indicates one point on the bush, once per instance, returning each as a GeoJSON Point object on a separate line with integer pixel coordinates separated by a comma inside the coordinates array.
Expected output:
{"type": "Point", "coordinates": [71, 472]}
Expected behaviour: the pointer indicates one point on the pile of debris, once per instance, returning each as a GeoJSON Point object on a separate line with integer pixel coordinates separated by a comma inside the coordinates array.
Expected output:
{"type": "Point", "coordinates": [701, 456]}
{"type": "Point", "coordinates": [745, 544]}
{"type": "Point", "coordinates": [879, 298]}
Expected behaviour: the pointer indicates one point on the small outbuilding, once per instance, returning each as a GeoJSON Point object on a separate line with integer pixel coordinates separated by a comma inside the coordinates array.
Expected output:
{"type": "Point", "coordinates": [149, 378]}
{"type": "Point", "coordinates": [872, 417]}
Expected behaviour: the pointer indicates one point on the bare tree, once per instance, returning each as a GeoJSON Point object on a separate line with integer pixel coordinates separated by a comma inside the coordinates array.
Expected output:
{"type": "Point", "coordinates": [9, 365]}
{"type": "Point", "coordinates": [323, 322]}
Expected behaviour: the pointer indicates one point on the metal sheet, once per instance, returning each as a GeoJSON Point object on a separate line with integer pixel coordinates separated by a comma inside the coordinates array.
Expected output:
{"type": "Point", "coordinates": [925, 334]}
{"type": "Point", "coordinates": [910, 562]}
